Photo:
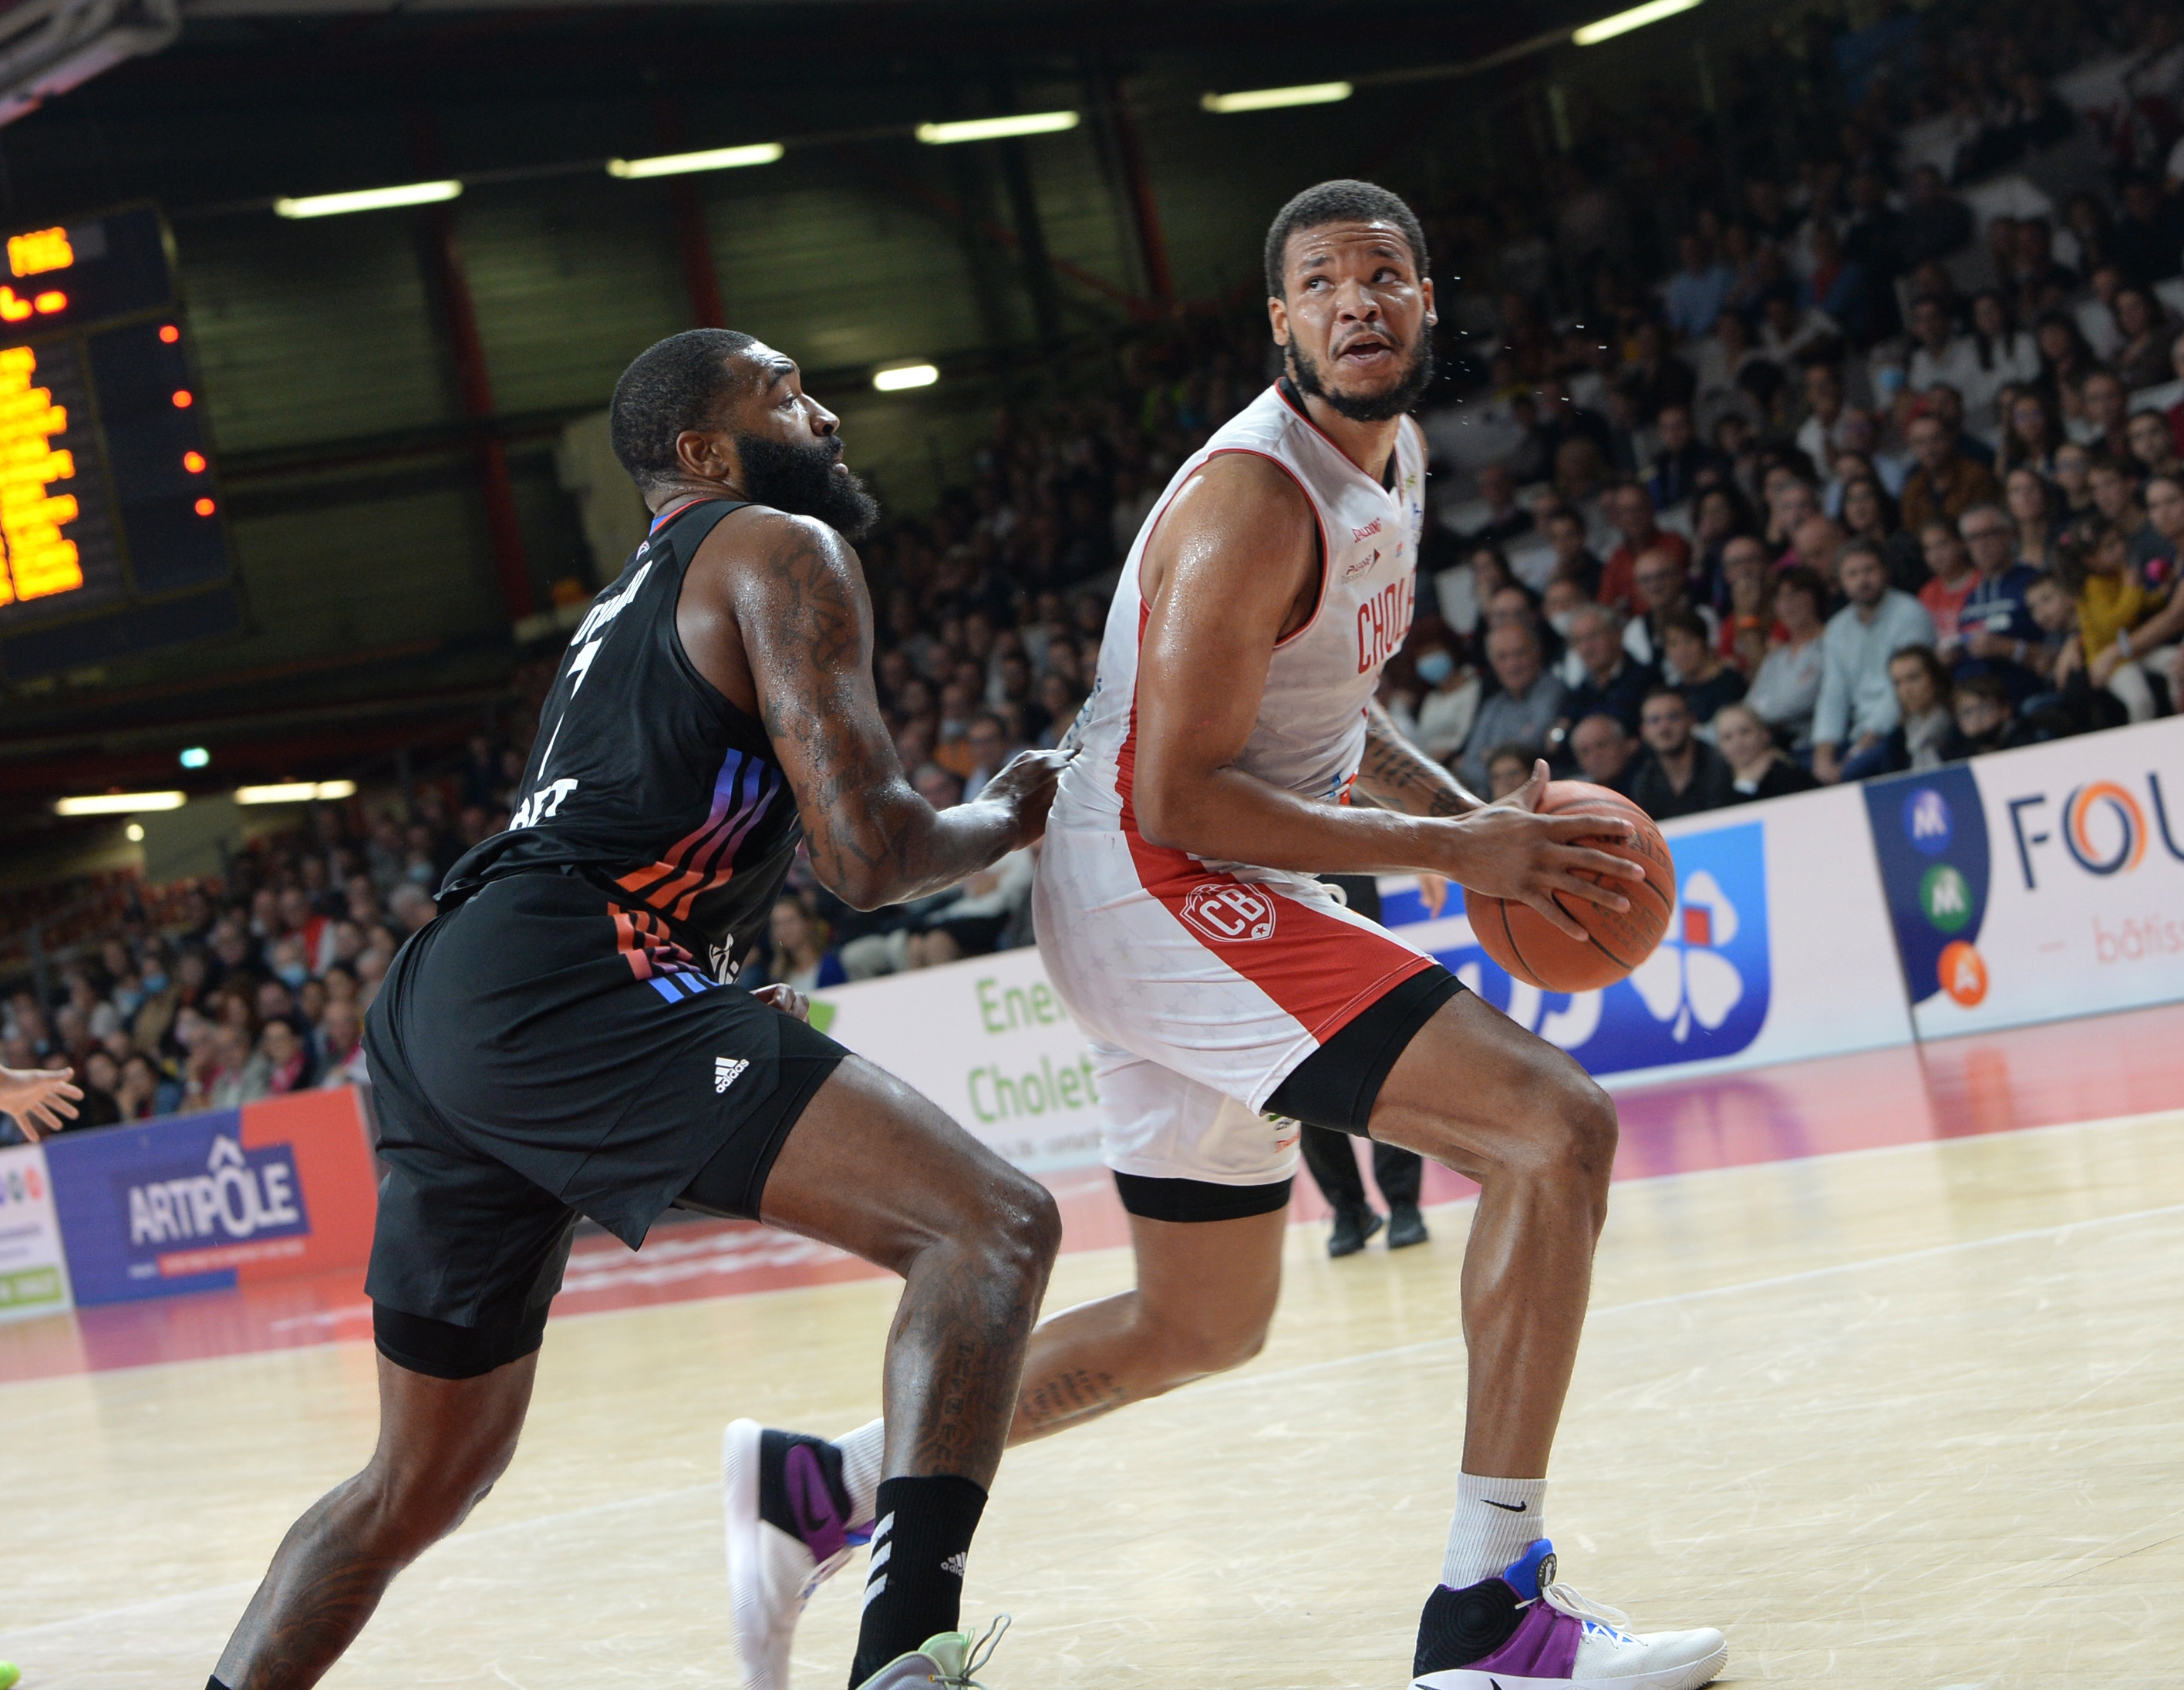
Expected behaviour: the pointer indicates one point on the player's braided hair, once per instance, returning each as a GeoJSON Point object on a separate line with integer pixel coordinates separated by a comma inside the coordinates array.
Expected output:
{"type": "Point", "coordinates": [671, 385]}
{"type": "Point", "coordinates": [1341, 201]}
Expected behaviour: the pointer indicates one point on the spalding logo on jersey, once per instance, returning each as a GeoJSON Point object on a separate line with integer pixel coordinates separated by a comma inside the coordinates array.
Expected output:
{"type": "Point", "coordinates": [1230, 913]}
{"type": "Point", "coordinates": [1384, 620]}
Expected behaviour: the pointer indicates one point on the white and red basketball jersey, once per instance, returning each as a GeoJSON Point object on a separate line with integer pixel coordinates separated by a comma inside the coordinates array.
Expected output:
{"type": "Point", "coordinates": [1204, 984]}
{"type": "Point", "coordinates": [1310, 729]}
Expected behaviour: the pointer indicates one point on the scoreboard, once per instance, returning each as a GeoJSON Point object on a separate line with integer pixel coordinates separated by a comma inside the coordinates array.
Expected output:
{"type": "Point", "coordinates": [112, 534]}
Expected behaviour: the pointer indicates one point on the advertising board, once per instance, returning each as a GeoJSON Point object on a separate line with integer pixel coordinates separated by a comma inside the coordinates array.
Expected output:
{"type": "Point", "coordinates": [33, 1275]}
{"type": "Point", "coordinates": [201, 1202]}
{"type": "Point", "coordinates": [1779, 949]}
{"type": "Point", "coordinates": [2037, 884]}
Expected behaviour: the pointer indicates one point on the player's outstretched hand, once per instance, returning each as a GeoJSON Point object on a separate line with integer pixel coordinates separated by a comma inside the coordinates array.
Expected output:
{"type": "Point", "coordinates": [1507, 849]}
{"type": "Point", "coordinates": [41, 1099]}
{"type": "Point", "coordinates": [1025, 788]}
{"type": "Point", "coordinates": [786, 999]}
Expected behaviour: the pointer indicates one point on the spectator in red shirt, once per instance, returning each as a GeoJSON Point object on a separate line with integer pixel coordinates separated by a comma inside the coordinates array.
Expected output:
{"type": "Point", "coordinates": [1630, 507]}
{"type": "Point", "coordinates": [1954, 578]}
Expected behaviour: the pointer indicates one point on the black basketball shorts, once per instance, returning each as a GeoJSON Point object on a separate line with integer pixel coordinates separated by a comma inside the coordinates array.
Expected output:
{"type": "Point", "coordinates": [540, 1053]}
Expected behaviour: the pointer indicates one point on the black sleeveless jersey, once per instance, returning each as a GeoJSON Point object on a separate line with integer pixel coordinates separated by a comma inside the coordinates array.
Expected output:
{"type": "Point", "coordinates": [643, 779]}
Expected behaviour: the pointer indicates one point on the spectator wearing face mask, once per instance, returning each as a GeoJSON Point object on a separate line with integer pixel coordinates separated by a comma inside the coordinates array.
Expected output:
{"type": "Point", "coordinates": [1450, 701]}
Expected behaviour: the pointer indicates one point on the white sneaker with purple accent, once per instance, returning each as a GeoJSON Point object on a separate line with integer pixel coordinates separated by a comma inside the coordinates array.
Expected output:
{"type": "Point", "coordinates": [1525, 1632]}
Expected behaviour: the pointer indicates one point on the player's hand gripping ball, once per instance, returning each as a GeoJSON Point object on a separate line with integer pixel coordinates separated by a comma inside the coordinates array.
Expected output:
{"type": "Point", "coordinates": [1525, 943]}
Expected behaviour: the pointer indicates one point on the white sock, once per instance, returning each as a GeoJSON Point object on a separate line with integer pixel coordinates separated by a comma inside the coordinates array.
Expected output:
{"type": "Point", "coordinates": [864, 1453]}
{"type": "Point", "coordinates": [1496, 1520]}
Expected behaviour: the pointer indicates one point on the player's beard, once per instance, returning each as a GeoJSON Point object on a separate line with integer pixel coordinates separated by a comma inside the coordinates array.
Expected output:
{"type": "Point", "coordinates": [802, 481]}
{"type": "Point", "coordinates": [1370, 407]}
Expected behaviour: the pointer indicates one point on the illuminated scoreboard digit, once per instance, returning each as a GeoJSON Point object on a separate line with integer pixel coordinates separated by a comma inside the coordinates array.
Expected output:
{"type": "Point", "coordinates": [111, 536]}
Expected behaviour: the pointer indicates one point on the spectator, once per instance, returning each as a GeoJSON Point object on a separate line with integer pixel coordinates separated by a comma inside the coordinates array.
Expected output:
{"type": "Point", "coordinates": [2031, 507]}
{"type": "Point", "coordinates": [2121, 634]}
{"type": "Point", "coordinates": [340, 1046]}
{"type": "Point", "coordinates": [1995, 626]}
{"type": "Point", "coordinates": [1508, 767]}
{"type": "Point", "coordinates": [2145, 332]}
{"type": "Point", "coordinates": [140, 1093]}
{"type": "Point", "coordinates": [1950, 579]}
{"type": "Point", "coordinates": [1946, 483]}
{"type": "Point", "coordinates": [1749, 614]}
{"type": "Point", "coordinates": [1838, 287]}
{"type": "Point", "coordinates": [1525, 711]}
{"type": "Point", "coordinates": [1611, 681]}
{"type": "Point", "coordinates": [1925, 734]}
{"type": "Point", "coordinates": [1824, 407]}
{"type": "Point", "coordinates": [1506, 519]}
{"type": "Point", "coordinates": [2104, 408]}
{"type": "Point", "coordinates": [1696, 669]}
{"type": "Point", "coordinates": [1450, 703]}
{"type": "Point", "coordinates": [2164, 563]}
{"type": "Point", "coordinates": [1604, 749]}
{"type": "Point", "coordinates": [1940, 356]}
{"type": "Point", "coordinates": [1985, 718]}
{"type": "Point", "coordinates": [1630, 507]}
{"type": "Point", "coordinates": [2074, 480]}
{"type": "Point", "coordinates": [2149, 234]}
{"type": "Point", "coordinates": [102, 1082]}
{"type": "Point", "coordinates": [802, 957]}
{"type": "Point", "coordinates": [1663, 589]}
{"type": "Point", "coordinates": [2031, 434]}
{"type": "Point", "coordinates": [1935, 224]}
{"type": "Point", "coordinates": [1857, 708]}
{"type": "Point", "coordinates": [2152, 447]}
{"type": "Point", "coordinates": [1786, 689]}
{"type": "Point", "coordinates": [282, 1063]}
{"type": "Point", "coordinates": [987, 746]}
{"type": "Point", "coordinates": [1698, 291]}
{"type": "Point", "coordinates": [1682, 465]}
{"type": "Point", "coordinates": [1756, 767]}
{"type": "Point", "coordinates": [1868, 513]}
{"type": "Point", "coordinates": [1573, 559]}
{"type": "Point", "coordinates": [1680, 773]}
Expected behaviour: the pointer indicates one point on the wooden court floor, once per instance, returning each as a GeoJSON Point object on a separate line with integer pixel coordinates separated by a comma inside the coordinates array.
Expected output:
{"type": "Point", "coordinates": [1904, 1415]}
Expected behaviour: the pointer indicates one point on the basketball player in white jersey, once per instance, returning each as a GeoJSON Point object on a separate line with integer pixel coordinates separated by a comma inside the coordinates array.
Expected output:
{"type": "Point", "coordinates": [1229, 996]}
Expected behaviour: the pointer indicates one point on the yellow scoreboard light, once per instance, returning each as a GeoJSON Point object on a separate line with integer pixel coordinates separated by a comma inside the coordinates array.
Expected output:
{"type": "Point", "coordinates": [111, 537]}
{"type": "Point", "coordinates": [39, 559]}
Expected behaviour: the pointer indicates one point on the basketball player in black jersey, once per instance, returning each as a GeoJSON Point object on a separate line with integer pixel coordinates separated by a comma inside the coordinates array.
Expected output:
{"type": "Point", "coordinates": [562, 1041]}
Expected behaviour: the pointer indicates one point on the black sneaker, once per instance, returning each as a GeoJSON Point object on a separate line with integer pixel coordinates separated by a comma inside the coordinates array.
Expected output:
{"type": "Point", "coordinates": [1405, 1226]}
{"type": "Point", "coordinates": [1352, 1227]}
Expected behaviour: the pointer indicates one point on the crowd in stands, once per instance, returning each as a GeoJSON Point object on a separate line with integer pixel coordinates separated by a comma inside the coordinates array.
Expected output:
{"type": "Point", "coordinates": [1882, 472]}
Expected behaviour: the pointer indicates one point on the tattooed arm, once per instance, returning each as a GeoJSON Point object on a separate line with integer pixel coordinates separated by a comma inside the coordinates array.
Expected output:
{"type": "Point", "coordinates": [1395, 774]}
{"type": "Point", "coordinates": [775, 611]}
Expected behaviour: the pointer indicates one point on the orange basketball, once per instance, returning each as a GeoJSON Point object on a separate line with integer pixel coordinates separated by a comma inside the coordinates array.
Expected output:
{"type": "Point", "coordinates": [1521, 939]}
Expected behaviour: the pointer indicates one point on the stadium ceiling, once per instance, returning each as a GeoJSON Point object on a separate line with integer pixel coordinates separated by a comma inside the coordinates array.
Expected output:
{"type": "Point", "coordinates": [48, 47]}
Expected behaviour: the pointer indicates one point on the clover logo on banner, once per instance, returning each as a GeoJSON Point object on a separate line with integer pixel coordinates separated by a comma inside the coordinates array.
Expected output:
{"type": "Point", "coordinates": [1688, 978]}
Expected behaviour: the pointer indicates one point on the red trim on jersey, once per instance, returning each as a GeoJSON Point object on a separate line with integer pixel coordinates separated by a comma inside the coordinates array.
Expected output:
{"type": "Point", "coordinates": [1321, 970]}
{"type": "Point", "coordinates": [1326, 557]}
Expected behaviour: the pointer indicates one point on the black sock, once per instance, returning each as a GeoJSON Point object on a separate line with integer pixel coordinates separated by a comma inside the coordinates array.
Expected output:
{"type": "Point", "coordinates": [921, 1537]}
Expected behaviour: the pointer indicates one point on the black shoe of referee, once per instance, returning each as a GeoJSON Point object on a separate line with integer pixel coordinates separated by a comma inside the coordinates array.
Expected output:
{"type": "Point", "coordinates": [1352, 1227]}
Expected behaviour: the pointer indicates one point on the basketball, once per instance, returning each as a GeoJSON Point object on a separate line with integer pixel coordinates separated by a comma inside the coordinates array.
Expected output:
{"type": "Point", "coordinates": [1533, 950]}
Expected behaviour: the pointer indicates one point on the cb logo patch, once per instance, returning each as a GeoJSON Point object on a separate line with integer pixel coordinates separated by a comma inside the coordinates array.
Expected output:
{"type": "Point", "coordinates": [1230, 915]}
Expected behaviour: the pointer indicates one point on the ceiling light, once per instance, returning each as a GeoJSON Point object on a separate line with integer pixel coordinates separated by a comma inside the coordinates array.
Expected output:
{"type": "Point", "coordinates": [368, 199]}
{"type": "Point", "coordinates": [195, 756]}
{"type": "Point", "coordinates": [995, 128]}
{"type": "Point", "coordinates": [1270, 99]}
{"type": "Point", "coordinates": [1636, 18]}
{"type": "Point", "coordinates": [118, 804]}
{"type": "Point", "coordinates": [134, 832]}
{"type": "Point", "coordinates": [294, 791]}
{"type": "Point", "coordinates": [678, 163]}
{"type": "Point", "coordinates": [897, 377]}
